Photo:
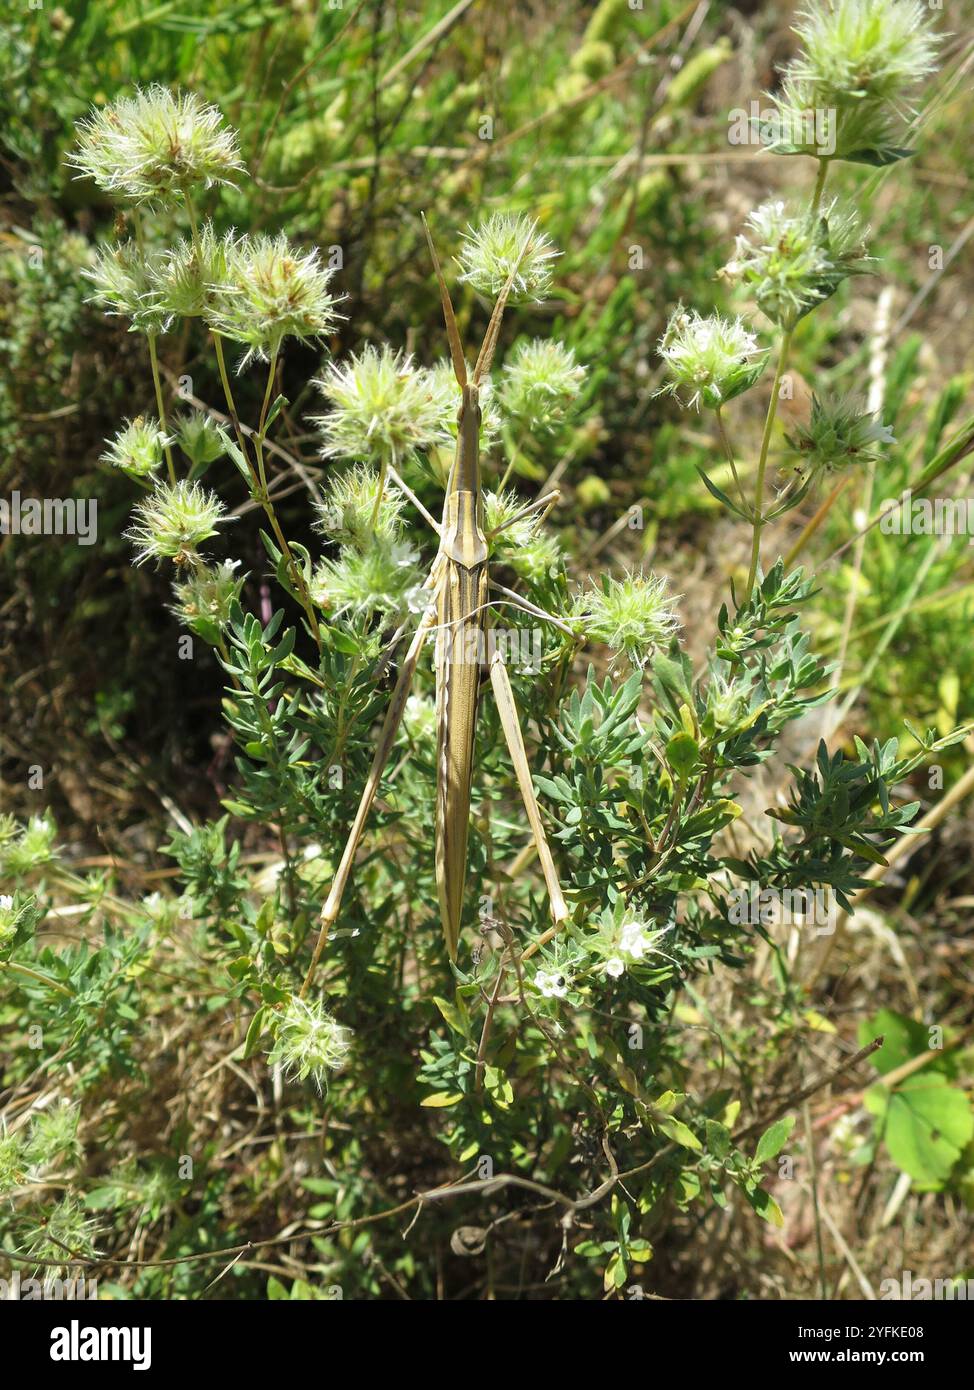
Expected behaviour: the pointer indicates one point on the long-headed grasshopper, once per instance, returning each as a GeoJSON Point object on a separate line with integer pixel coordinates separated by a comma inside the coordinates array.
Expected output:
{"type": "Point", "coordinates": [459, 581]}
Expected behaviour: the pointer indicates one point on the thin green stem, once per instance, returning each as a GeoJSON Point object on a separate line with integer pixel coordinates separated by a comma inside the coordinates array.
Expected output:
{"type": "Point", "coordinates": [759, 520]}
{"type": "Point", "coordinates": [265, 404]}
{"type": "Point", "coordinates": [379, 493]}
{"type": "Point", "coordinates": [259, 480]}
{"type": "Point", "coordinates": [160, 404]}
{"type": "Point", "coordinates": [729, 452]}
{"type": "Point", "coordinates": [228, 393]}
{"type": "Point", "coordinates": [35, 975]}
{"type": "Point", "coordinates": [154, 356]}
{"type": "Point", "coordinates": [191, 213]}
{"type": "Point", "coordinates": [512, 453]}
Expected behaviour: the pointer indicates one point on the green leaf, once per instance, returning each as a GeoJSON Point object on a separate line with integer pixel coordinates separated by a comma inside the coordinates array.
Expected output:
{"type": "Point", "coordinates": [615, 1272]}
{"type": "Point", "coordinates": [878, 158]}
{"type": "Point", "coordinates": [928, 1124]}
{"type": "Point", "coordinates": [454, 1014]}
{"type": "Point", "coordinates": [240, 968]}
{"type": "Point", "coordinates": [722, 497]}
{"type": "Point", "coordinates": [441, 1099]}
{"type": "Point", "coordinates": [773, 1139]}
{"type": "Point", "coordinates": [273, 413]}
{"type": "Point", "coordinates": [765, 1205]}
{"type": "Point", "coordinates": [254, 1033]}
{"type": "Point", "coordinates": [238, 459]}
{"type": "Point", "coordinates": [717, 1137]}
{"type": "Point", "coordinates": [682, 754]}
{"type": "Point", "coordinates": [677, 1131]}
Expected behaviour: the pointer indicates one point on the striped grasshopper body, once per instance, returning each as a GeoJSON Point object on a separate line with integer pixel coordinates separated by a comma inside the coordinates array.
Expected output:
{"type": "Point", "coordinates": [459, 582]}
{"type": "Point", "coordinates": [461, 638]}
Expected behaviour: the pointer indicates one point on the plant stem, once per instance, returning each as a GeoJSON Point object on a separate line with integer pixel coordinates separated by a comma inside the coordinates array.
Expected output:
{"type": "Point", "coordinates": [728, 450]}
{"type": "Point", "coordinates": [813, 525]}
{"type": "Point", "coordinates": [160, 404]}
{"type": "Point", "coordinates": [379, 493]}
{"type": "Point", "coordinates": [823, 170]}
{"type": "Point", "coordinates": [763, 461]}
{"type": "Point", "coordinates": [512, 452]}
{"type": "Point", "coordinates": [259, 480]}
{"type": "Point", "coordinates": [817, 191]}
{"type": "Point", "coordinates": [35, 975]}
{"type": "Point", "coordinates": [153, 355]}
{"type": "Point", "coordinates": [191, 212]}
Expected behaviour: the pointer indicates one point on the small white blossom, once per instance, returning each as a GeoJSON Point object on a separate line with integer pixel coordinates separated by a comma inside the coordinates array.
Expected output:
{"type": "Point", "coordinates": [174, 521]}
{"type": "Point", "coordinates": [637, 941]}
{"type": "Point", "coordinates": [382, 408]}
{"type": "Point", "coordinates": [552, 984]}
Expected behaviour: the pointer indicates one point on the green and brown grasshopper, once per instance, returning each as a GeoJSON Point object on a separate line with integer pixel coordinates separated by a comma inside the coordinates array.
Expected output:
{"type": "Point", "coordinates": [459, 581]}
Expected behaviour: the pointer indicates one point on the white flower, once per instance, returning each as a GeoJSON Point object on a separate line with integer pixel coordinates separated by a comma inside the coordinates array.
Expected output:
{"type": "Point", "coordinates": [710, 359]}
{"type": "Point", "coordinates": [634, 940]}
{"type": "Point", "coordinates": [174, 521]}
{"type": "Point", "coordinates": [383, 408]}
{"type": "Point", "coordinates": [505, 244]}
{"type": "Point", "coordinates": [308, 1041]}
{"type": "Point", "coordinates": [551, 984]}
{"type": "Point", "coordinates": [638, 941]}
{"type": "Point", "coordinates": [272, 291]}
{"type": "Point", "coordinates": [156, 143]}
{"type": "Point", "coordinates": [540, 383]}
{"type": "Point", "coordinates": [615, 966]}
{"type": "Point", "coordinates": [6, 902]}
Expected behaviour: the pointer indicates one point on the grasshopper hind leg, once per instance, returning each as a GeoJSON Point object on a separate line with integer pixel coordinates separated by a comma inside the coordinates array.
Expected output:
{"type": "Point", "coordinates": [507, 709]}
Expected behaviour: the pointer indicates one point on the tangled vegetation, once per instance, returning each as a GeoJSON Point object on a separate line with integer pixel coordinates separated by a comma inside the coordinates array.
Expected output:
{"type": "Point", "coordinates": [222, 326]}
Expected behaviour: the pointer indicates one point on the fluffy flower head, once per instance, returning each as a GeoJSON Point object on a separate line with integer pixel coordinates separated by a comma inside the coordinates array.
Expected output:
{"type": "Point", "coordinates": [505, 243]}
{"type": "Point", "coordinates": [633, 616]}
{"type": "Point", "coordinates": [865, 49]}
{"type": "Point", "coordinates": [709, 360]}
{"type": "Point", "coordinates": [792, 261]}
{"type": "Point", "coordinates": [382, 408]}
{"type": "Point", "coordinates": [174, 522]}
{"type": "Point", "coordinates": [272, 291]}
{"type": "Point", "coordinates": [137, 448]}
{"type": "Point", "coordinates": [308, 1042]}
{"type": "Point", "coordinates": [540, 383]}
{"type": "Point", "coordinates": [156, 143]}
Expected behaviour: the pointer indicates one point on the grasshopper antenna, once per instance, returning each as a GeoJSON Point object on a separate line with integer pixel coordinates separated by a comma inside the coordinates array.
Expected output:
{"type": "Point", "coordinates": [489, 346]}
{"type": "Point", "coordinates": [452, 332]}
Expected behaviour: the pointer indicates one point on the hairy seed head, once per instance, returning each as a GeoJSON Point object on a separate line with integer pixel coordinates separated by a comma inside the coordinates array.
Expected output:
{"type": "Point", "coordinates": [156, 144]}
{"type": "Point", "coordinates": [503, 244]}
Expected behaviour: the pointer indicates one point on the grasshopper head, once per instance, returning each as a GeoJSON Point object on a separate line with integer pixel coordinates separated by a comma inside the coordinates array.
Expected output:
{"type": "Point", "coordinates": [470, 403]}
